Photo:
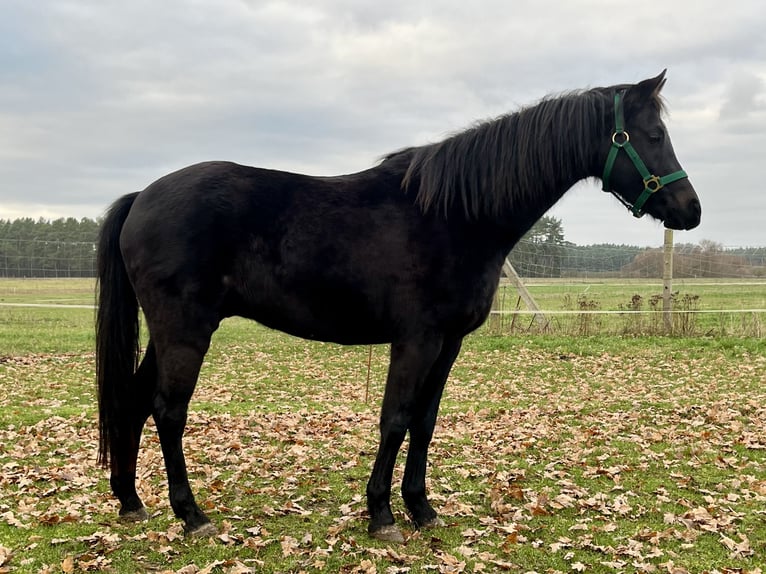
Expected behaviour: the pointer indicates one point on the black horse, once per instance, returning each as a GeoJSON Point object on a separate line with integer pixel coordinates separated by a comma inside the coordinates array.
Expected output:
{"type": "Point", "coordinates": [408, 252]}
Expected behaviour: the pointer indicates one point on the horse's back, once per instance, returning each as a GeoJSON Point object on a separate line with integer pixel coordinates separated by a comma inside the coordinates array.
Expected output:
{"type": "Point", "coordinates": [337, 258]}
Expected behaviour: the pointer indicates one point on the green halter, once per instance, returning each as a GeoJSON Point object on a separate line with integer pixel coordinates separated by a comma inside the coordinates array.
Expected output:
{"type": "Point", "coordinates": [621, 140]}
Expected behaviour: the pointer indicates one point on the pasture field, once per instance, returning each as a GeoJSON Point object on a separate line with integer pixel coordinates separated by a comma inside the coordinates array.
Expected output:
{"type": "Point", "coordinates": [552, 454]}
{"type": "Point", "coordinates": [713, 293]}
{"type": "Point", "coordinates": [719, 307]}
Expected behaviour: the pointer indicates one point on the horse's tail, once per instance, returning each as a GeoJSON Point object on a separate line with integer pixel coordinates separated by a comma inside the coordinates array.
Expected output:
{"type": "Point", "coordinates": [117, 341]}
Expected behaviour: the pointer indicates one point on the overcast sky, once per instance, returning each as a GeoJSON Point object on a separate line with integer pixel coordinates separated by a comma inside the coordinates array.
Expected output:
{"type": "Point", "coordinates": [99, 98]}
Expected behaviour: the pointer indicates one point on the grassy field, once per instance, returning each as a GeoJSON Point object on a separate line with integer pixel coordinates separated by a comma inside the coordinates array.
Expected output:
{"type": "Point", "coordinates": [551, 454]}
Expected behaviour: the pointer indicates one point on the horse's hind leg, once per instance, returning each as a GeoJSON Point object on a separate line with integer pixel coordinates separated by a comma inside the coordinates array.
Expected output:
{"type": "Point", "coordinates": [180, 351]}
{"type": "Point", "coordinates": [128, 438]}
{"type": "Point", "coordinates": [421, 431]}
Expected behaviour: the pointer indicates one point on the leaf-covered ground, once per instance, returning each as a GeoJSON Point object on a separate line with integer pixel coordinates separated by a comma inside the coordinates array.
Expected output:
{"type": "Point", "coordinates": [550, 456]}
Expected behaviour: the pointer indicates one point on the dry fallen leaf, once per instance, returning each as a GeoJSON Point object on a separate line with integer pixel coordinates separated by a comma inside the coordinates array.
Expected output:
{"type": "Point", "coordinates": [5, 555]}
{"type": "Point", "coordinates": [738, 549]}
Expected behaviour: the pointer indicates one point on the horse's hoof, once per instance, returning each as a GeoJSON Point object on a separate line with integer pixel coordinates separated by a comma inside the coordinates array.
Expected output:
{"type": "Point", "coordinates": [139, 515]}
{"type": "Point", "coordinates": [389, 533]}
{"type": "Point", "coordinates": [205, 531]}
{"type": "Point", "coordinates": [433, 523]}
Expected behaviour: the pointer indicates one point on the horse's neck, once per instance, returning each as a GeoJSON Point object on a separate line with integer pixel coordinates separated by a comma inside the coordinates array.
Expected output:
{"type": "Point", "coordinates": [544, 171]}
{"type": "Point", "coordinates": [556, 146]}
{"type": "Point", "coordinates": [522, 216]}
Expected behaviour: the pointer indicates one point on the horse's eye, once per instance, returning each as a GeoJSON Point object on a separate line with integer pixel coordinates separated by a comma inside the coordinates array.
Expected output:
{"type": "Point", "coordinates": [657, 137]}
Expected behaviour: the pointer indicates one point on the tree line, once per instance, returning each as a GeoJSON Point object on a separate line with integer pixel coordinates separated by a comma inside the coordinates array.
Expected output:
{"type": "Point", "coordinates": [544, 252]}
{"type": "Point", "coordinates": [66, 248]}
{"type": "Point", "coordinates": [63, 247]}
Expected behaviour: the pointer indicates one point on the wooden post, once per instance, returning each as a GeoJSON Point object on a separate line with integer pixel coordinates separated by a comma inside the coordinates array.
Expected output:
{"type": "Point", "coordinates": [495, 319]}
{"type": "Point", "coordinates": [510, 272]}
{"type": "Point", "coordinates": [667, 282]}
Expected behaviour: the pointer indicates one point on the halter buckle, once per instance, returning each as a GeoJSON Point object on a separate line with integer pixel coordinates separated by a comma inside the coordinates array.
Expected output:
{"type": "Point", "coordinates": [652, 184]}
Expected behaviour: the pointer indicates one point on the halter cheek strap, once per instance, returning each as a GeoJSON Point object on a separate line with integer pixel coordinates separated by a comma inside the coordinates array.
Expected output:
{"type": "Point", "coordinates": [621, 140]}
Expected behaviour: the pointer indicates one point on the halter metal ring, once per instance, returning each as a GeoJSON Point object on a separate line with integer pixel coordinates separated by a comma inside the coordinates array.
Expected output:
{"type": "Point", "coordinates": [622, 143]}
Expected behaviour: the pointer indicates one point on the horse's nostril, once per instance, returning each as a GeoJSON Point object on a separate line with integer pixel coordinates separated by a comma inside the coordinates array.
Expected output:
{"type": "Point", "coordinates": [695, 207]}
{"type": "Point", "coordinates": [694, 213]}
{"type": "Point", "coordinates": [695, 210]}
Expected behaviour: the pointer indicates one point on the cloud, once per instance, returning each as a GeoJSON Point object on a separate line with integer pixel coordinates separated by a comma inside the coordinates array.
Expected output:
{"type": "Point", "coordinates": [99, 98]}
{"type": "Point", "coordinates": [744, 98]}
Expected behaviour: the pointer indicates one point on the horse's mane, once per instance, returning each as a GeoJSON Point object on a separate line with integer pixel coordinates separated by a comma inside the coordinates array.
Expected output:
{"type": "Point", "coordinates": [506, 162]}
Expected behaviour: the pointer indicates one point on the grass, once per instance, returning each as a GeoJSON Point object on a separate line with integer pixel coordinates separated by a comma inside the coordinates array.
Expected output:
{"type": "Point", "coordinates": [714, 293]}
{"type": "Point", "coordinates": [552, 454]}
{"type": "Point", "coordinates": [703, 307]}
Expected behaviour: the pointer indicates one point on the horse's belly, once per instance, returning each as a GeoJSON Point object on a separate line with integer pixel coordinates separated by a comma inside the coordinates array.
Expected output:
{"type": "Point", "coordinates": [331, 317]}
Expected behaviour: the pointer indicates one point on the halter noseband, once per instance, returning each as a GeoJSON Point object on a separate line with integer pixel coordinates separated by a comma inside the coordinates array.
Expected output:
{"type": "Point", "coordinates": [621, 140]}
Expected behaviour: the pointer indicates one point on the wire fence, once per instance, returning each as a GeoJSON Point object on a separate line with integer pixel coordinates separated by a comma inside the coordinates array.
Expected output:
{"type": "Point", "coordinates": [533, 260]}
{"type": "Point", "coordinates": [43, 258]}
{"type": "Point", "coordinates": [581, 290]}
{"type": "Point", "coordinates": [613, 289]}
{"type": "Point", "coordinates": [605, 306]}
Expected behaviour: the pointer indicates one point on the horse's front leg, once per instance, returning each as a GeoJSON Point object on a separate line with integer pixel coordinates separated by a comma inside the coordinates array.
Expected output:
{"type": "Point", "coordinates": [421, 431]}
{"type": "Point", "coordinates": [410, 364]}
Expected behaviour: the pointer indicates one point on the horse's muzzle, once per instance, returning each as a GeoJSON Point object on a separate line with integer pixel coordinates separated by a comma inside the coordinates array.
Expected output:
{"type": "Point", "coordinates": [684, 217]}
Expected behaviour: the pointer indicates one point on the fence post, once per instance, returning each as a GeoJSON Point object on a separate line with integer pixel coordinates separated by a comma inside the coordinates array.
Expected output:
{"type": "Point", "coordinates": [510, 272]}
{"type": "Point", "coordinates": [667, 282]}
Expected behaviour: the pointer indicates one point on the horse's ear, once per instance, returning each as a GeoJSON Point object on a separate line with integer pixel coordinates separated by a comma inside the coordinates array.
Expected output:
{"type": "Point", "coordinates": [649, 89]}
{"type": "Point", "coordinates": [643, 93]}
